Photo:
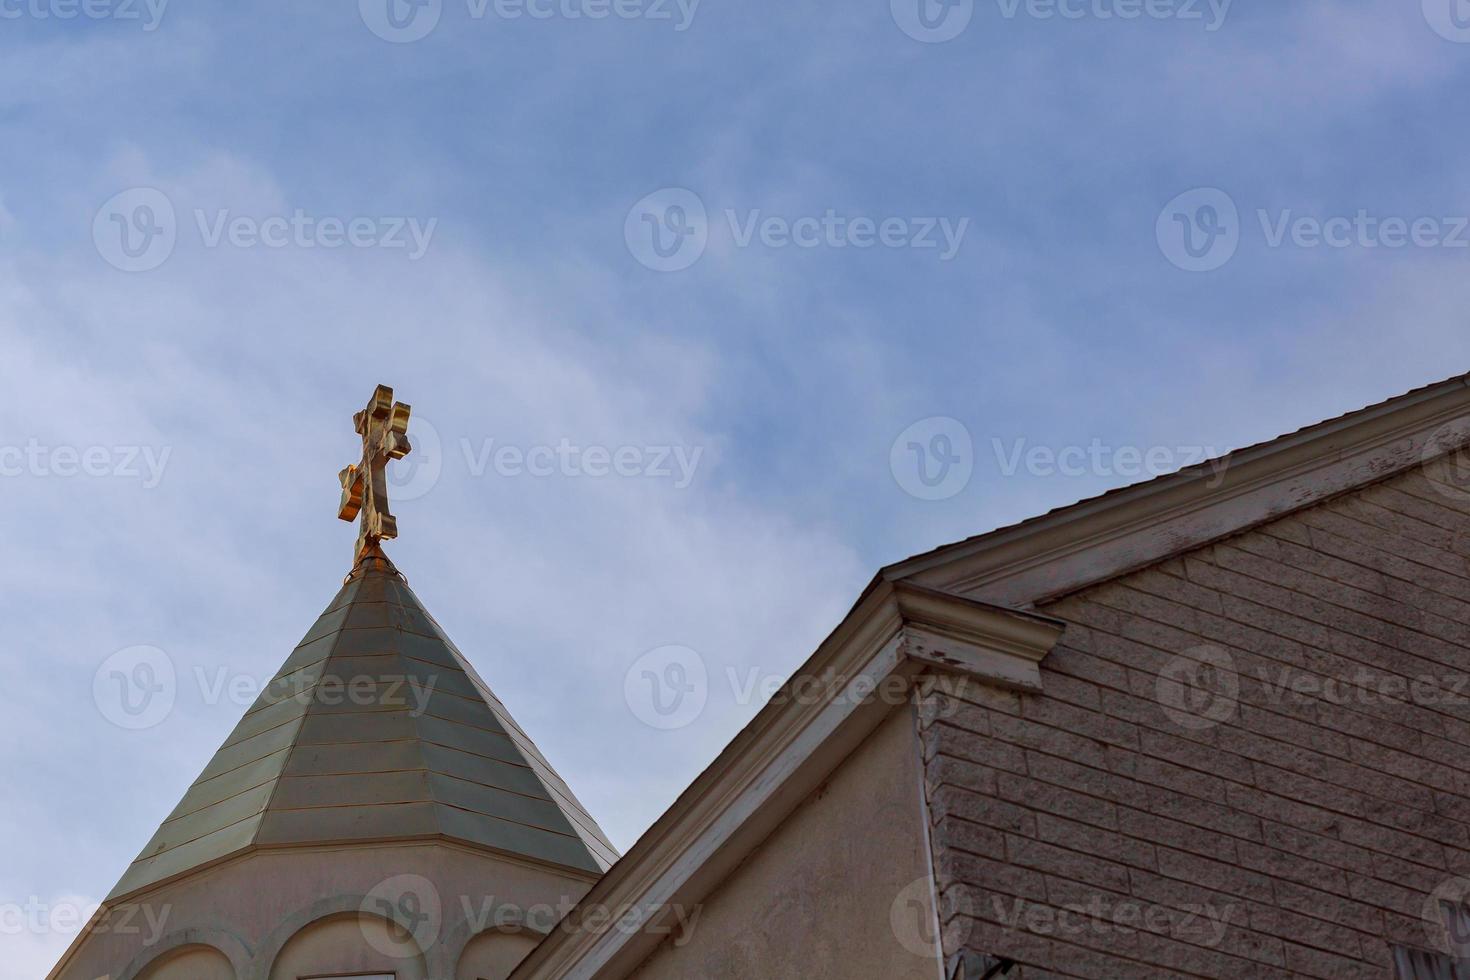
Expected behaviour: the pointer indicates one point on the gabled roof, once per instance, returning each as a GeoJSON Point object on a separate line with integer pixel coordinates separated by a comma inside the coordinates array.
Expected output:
{"type": "Point", "coordinates": [376, 728]}
{"type": "Point", "coordinates": [794, 743]}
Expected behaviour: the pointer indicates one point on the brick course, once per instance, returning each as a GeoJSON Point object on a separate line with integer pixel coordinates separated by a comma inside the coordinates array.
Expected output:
{"type": "Point", "coordinates": [1312, 820]}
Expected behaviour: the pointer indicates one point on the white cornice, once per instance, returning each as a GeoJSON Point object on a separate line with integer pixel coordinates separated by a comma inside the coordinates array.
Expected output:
{"type": "Point", "coordinates": [994, 644]}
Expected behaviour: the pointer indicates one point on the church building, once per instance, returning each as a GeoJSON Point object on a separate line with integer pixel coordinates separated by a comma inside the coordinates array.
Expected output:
{"type": "Point", "coordinates": [1212, 725]}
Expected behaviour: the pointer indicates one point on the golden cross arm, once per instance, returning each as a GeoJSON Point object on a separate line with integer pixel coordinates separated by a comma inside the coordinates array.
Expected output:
{"type": "Point", "coordinates": [383, 426]}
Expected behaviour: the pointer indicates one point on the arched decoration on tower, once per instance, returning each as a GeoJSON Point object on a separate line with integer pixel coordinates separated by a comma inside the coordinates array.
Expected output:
{"type": "Point", "coordinates": [342, 936]}
{"type": "Point", "coordinates": [488, 949]}
{"type": "Point", "coordinates": [494, 953]}
{"type": "Point", "coordinates": [191, 951]}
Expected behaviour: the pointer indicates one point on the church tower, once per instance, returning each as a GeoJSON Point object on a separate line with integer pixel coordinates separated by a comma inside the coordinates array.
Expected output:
{"type": "Point", "coordinates": [377, 813]}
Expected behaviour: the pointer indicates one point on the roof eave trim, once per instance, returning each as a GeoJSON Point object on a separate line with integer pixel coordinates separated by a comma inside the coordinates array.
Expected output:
{"type": "Point", "coordinates": [1127, 529]}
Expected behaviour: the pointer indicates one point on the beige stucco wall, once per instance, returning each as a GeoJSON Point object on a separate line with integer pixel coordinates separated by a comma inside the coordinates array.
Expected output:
{"type": "Point", "coordinates": [350, 944]}
{"type": "Point", "coordinates": [279, 915]}
{"type": "Point", "coordinates": [192, 963]}
{"type": "Point", "coordinates": [841, 889]}
{"type": "Point", "coordinates": [493, 955]}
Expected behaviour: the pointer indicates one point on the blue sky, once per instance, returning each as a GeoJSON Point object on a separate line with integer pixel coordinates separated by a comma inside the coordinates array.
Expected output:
{"type": "Point", "coordinates": [170, 436]}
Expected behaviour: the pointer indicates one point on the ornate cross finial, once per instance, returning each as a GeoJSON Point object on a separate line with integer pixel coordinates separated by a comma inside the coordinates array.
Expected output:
{"type": "Point", "coordinates": [383, 426]}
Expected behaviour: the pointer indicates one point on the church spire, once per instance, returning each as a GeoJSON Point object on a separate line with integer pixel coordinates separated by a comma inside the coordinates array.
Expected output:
{"type": "Point", "coordinates": [376, 750]}
{"type": "Point", "coordinates": [383, 426]}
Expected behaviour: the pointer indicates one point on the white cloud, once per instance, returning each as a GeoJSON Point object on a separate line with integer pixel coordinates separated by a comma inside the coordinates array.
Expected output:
{"type": "Point", "coordinates": [248, 365]}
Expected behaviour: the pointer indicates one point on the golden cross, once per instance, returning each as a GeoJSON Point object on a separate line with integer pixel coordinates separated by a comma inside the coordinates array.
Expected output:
{"type": "Point", "coordinates": [383, 426]}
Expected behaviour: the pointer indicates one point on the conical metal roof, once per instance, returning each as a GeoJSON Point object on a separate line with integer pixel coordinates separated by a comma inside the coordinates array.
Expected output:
{"type": "Point", "coordinates": [375, 729]}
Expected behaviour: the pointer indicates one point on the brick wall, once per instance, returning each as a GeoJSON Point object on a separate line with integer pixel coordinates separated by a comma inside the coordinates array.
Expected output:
{"type": "Point", "coordinates": [1249, 761]}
